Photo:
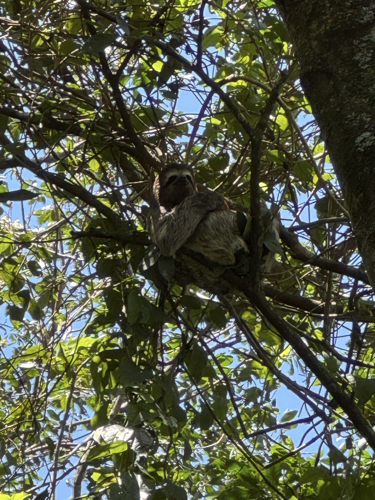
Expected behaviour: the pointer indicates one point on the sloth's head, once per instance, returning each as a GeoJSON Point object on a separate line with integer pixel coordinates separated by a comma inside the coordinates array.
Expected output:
{"type": "Point", "coordinates": [174, 184]}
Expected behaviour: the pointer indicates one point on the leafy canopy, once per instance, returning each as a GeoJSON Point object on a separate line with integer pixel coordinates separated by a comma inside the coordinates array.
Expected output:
{"type": "Point", "coordinates": [128, 385]}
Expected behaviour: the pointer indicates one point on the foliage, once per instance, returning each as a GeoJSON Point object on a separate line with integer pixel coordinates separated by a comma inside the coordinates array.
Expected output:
{"type": "Point", "coordinates": [113, 379]}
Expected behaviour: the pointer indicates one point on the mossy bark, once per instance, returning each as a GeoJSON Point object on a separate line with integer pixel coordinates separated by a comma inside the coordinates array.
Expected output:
{"type": "Point", "coordinates": [335, 44]}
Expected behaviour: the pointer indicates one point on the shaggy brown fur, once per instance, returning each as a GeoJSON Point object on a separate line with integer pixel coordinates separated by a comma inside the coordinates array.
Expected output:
{"type": "Point", "coordinates": [199, 221]}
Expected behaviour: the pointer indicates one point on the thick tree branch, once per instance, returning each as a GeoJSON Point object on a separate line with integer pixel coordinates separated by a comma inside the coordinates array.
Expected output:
{"type": "Point", "coordinates": [302, 138]}
{"type": "Point", "coordinates": [310, 359]}
{"type": "Point", "coordinates": [293, 300]}
{"type": "Point", "coordinates": [269, 363]}
{"type": "Point", "coordinates": [301, 253]}
{"type": "Point", "coordinates": [68, 128]}
{"type": "Point", "coordinates": [256, 297]}
{"type": "Point", "coordinates": [69, 187]}
{"type": "Point", "coordinates": [145, 158]}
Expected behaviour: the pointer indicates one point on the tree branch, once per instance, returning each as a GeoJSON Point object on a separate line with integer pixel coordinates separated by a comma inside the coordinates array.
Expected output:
{"type": "Point", "coordinates": [145, 158]}
{"type": "Point", "coordinates": [317, 367]}
{"type": "Point", "coordinates": [301, 253]}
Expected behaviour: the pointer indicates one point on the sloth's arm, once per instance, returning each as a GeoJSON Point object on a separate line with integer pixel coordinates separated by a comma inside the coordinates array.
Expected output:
{"type": "Point", "coordinates": [171, 230]}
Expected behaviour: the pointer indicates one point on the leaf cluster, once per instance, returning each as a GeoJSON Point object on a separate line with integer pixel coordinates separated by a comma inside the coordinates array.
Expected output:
{"type": "Point", "coordinates": [124, 383]}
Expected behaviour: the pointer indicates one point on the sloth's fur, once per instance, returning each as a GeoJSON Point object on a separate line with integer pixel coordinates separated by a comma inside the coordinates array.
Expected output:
{"type": "Point", "coordinates": [183, 217]}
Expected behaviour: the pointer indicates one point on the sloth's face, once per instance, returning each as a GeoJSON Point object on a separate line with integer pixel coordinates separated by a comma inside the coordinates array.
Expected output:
{"type": "Point", "coordinates": [176, 184]}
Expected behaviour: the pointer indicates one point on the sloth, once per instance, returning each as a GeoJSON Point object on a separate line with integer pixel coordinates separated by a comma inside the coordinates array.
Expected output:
{"type": "Point", "coordinates": [184, 217]}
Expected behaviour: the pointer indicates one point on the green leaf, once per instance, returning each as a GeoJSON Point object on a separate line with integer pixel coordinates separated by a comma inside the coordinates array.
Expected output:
{"type": "Point", "coordinates": [3, 123]}
{"type": "Point", "coordinates": [168, 94]}
{"type": "Point", "coordinates": [34, 268]}
{"type": "Point", "coordinates": [276, 156]}
{"type": "Point", "coordinates": [175, 492]}
{"type": "Point", "coordinates": [331, 363]}
{"type": "Point", "coordinates": [271, 241]}
{"type": "Point", "coordinates": [158, 66]}
{"type": "Point", "coordinates": [312, 475]}
{"type": "Point", "coordinates": [364, 389]}
{"type": "Point", "coordinates": [288, 415]}
{"type": "Point", "coordinates": [166, 266]}
{"type": "Point", "coordinates": [217, 315]}
{"type": "Point", "coordinates": [187, 451]}
{"type": "Point", "coordinates": [100, 418]}
{"type": "Point", "coordinates": [212, 36]}
{"type": "Point", "coordinates": [131, 375]}
{"type": "Point", "coordinates": [326, 207]}
{"type": "Point", "coordinates": [196, 360]}
{"type": "Point", "coordinates": [114, 301]}
{"type": "Point", "coordinates": [15, 313]}
{"type": "Point", "coordinates": [303, 170]}
{"type": "Point", "coordinates": [364, 491]}
{"type": "Point", "coordinates": [220, 407]}
{"type": "Point", "coordinates": [191, 302]}
{"type": "Point", "coordinates": [138, 308]}
{"type": "Point", "coordinates": [129, 489]}
{"type": "Point", "coordinates": [94, 164]}
{"type": "Point", "coordinates": [35, 310]}
{"type": "Point", "coordinates": [73, 25]}
{"type": "Point", "coordinates": [282, 121]}
{"type": "Point", "coordinates": [97, 43]}
{"type": "Point", "coordinates": [105, 450]}
{"type": "Point", "coordinates": [20, 496]}
{"type": "Point", "coordinates": [69, 46]}
{"type": "Point", "coordinates": [336, 455]}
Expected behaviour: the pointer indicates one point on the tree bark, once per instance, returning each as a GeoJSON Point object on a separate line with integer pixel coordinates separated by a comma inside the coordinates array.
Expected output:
{"type": "Point", "coordinates": [335, 45]}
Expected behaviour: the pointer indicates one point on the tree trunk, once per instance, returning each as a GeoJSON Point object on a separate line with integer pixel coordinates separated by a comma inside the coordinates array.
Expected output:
{"type": "Point", "coordinates": [335, 44]}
